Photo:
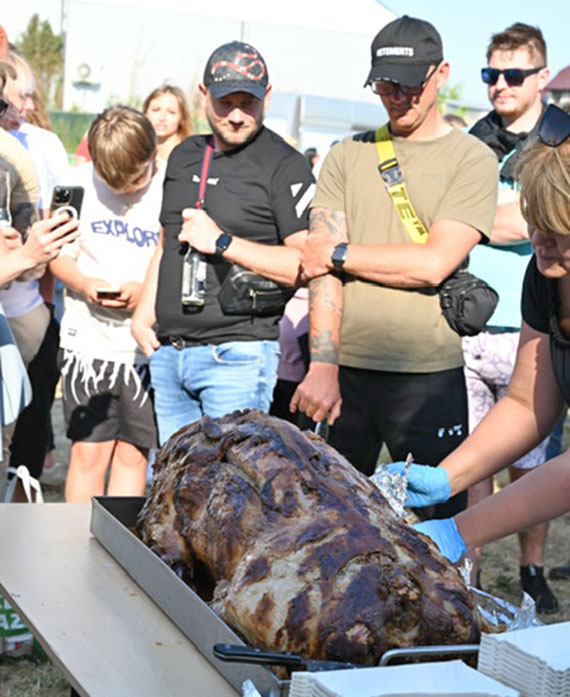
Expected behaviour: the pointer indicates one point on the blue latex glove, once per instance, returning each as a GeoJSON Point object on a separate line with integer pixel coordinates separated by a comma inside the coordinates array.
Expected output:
{"type": "Point", "coordinates": [446, 536]}
{"type": "Point", "coordinates": [426, 485]}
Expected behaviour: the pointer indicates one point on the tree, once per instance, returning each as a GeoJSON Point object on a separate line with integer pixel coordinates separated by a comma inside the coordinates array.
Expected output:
{"type": "Point", "coordinates": [44, 51]}
{"type": "Point", "coordinates": [451, 93]}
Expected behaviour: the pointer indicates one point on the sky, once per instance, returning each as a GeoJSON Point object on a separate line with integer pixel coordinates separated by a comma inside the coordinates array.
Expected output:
{"type": "Point", "coordinates": [465, 28]}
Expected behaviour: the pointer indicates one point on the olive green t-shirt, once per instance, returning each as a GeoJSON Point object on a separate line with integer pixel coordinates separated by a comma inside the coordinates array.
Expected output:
{"type": "Point", "coordinates": [451, 178]}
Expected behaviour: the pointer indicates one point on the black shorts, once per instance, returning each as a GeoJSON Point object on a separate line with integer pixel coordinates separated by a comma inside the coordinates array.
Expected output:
{"type": "Point", "coordinates": [104, 401]}
{"type": "Point", "coordinates": [420, 413]}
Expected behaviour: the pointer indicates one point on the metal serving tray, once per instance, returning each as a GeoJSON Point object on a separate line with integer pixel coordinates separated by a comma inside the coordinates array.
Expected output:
{"type": "Point", "coordinates": [111, 518]}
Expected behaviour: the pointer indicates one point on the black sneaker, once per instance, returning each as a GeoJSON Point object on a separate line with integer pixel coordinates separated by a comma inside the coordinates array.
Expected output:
{"type": "Point", "coordinates": [534, 583]}
{"type": "Point", "coordinates": [560, 572]}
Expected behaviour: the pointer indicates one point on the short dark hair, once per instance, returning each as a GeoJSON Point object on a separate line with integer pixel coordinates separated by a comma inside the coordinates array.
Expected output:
{"type": "Point", "coordinates": [520, 35]}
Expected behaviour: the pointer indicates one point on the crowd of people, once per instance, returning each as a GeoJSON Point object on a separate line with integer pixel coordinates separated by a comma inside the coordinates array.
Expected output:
{"type": "Point", "coordinates": [211, 272]}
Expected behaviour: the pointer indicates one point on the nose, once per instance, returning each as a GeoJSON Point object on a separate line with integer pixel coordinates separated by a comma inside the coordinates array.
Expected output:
{"type": "Point", "coordinates": [236, 115]}
{"type": "Point", "coordinates": [501, 83]}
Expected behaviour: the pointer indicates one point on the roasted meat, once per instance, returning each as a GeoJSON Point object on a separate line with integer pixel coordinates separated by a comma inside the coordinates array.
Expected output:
{"type": "Point", "coordinates": [296, 549]}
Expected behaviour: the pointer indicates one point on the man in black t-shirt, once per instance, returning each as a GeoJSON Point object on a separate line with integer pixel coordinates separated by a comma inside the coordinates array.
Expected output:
{"type": "Point", "coordinates": [241, 196]}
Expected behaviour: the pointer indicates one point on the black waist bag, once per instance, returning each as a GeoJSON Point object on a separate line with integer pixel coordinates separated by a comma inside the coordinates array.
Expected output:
{"type": "Point", "coordinates": [246, 293]}
{"type": "Point", "coordinates": [467, 302]}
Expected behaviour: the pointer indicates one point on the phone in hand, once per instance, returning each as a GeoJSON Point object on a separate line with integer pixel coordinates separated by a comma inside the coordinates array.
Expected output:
{"type": "Point", "coordinates": [67, 198]}
{"type": "Point", "coordinates": [108, 293]}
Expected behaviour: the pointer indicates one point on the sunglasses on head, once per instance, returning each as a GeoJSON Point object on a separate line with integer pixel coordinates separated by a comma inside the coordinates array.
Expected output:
{"type": "Point", "coordinates": [514, 77]}
{"type": "Point", "coordinates": [3, 107]}
{"type": "Point", "coordinates": [385, 87]}
{"type": "Point", "coordinates": [554, 126]}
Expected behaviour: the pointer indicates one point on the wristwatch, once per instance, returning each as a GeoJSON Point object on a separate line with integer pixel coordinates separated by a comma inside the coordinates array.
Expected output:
{"type": "Point", "coordinates": [222, 243]}
{"type": "Point", "coordinates": [338, 256]}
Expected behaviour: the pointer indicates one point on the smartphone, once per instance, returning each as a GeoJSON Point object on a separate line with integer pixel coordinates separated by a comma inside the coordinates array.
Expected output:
{"type": "Point", "coordinates": [67, 198]}
{"type": "Point", "coordinates": [108, 293]}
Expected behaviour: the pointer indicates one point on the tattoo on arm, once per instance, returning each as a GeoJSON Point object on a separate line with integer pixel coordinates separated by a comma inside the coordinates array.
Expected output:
{"type": "Point", "coordinates": [325, 309]}
{"type": "Point", "coordinates": [331, 222]}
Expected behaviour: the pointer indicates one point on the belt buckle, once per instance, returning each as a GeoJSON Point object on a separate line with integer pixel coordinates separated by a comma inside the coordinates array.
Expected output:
{"type": "Point", "coordinates": [177, 342]}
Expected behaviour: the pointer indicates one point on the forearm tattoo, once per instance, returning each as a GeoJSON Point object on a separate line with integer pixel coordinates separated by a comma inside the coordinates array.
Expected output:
{"type": "Point", "coordinates": [328, 221]}
{"type": "Point", "coordinates": [325, 292]}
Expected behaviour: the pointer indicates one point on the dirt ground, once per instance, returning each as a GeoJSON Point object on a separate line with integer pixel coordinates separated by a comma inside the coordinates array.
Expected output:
{"type": "Point", "coordinates": [34, 678]}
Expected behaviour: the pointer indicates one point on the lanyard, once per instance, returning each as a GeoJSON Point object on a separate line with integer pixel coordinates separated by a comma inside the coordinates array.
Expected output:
{"type": "Point", "coordinates": [393, 178]}
{"type": "Point", "coordinates": [206, 160]}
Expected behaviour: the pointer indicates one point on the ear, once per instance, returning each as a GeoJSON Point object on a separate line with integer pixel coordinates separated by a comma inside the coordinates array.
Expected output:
{"type": "Point", "coordinates": [543, 78]}
{"type": "Point", "coordinates": [442, 75]}
{"type": "Point", "coordinates": [203, 90]}
{"type": "Point", "coordinates": [4, 48]}
{"type": "Point", "coordinates": [267, 98]}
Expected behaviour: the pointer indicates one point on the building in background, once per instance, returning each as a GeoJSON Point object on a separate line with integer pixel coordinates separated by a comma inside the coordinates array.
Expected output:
{"type": "Point", "coordinates": [559, 88]}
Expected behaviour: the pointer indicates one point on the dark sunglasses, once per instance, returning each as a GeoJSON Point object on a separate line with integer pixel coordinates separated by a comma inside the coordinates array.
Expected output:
{"type": "Point", "coordinates": [554, 126]}
{"type": "Point", "coordinates": [3, 107]}
{"type": "Point", "coordinates": [514, 77]}
{"type": "Point", "coordinates": [386, 87]}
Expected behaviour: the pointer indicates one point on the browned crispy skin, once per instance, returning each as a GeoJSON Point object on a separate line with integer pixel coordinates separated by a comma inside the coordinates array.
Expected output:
{"type": "Point", "coordinates": [300, 551]}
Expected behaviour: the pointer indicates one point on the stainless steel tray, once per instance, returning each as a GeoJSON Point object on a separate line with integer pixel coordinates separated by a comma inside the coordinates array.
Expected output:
{"type": "Point", "coordinates": [111, 518]}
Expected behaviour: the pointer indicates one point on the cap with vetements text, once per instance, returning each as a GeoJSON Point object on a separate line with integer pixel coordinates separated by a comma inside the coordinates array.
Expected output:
{"type": "Point", "coordinates": [236, 67]}
{"type": "Point", "coordinates": [403, 51]}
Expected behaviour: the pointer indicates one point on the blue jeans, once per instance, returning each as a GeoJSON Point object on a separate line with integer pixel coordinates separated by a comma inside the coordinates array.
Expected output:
{"type": "Point", "coordinates": [213, 380]}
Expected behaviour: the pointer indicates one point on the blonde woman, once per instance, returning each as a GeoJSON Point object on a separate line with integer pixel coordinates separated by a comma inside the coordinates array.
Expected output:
{"type": "Point", "coordinates": [167, 110]}
{"type": "Point", "coordinates": [540, 386]}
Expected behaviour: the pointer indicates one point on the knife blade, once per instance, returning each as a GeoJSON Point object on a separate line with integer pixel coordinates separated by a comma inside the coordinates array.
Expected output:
{"type": "Point", "coordinates": [249, 654]}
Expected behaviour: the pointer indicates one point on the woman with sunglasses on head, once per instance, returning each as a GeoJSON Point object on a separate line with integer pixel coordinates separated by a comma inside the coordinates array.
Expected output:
{"type": "Point", "coordinates": [540, 386]}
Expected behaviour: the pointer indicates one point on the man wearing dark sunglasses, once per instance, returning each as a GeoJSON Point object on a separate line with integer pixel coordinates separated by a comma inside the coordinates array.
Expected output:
{"type": "Point", "coordinates": [385, 366]}
{"type": "Point", "coordinates": [515, 75]}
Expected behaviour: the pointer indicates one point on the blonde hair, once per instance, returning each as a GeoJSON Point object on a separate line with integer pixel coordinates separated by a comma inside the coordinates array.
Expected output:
{"type": "Point", "coordinates": [121, 140]}
{"type": "Point", "coordinates": [185, 126]}
{"type": "Point", "coordinates": [543, 173]}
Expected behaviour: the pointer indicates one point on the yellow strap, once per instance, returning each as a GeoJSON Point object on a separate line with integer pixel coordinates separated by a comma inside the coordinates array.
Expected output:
{"type": "Point", "coordinates": [396, 187]}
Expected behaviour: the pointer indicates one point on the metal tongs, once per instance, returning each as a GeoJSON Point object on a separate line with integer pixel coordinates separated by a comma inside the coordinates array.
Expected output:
{"type": "Point", "coordinates": [249, 654]}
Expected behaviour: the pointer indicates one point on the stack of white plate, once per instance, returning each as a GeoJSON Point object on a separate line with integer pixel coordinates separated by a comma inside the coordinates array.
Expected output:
{"type": "Point", "coordinates": [444, 678]}
{"type": "Point", "coordinates": [534, 661]}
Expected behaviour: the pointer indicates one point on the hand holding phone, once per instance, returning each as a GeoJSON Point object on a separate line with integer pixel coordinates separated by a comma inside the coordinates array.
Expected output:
{"type": "Point", "coordinates": [108, 293]}
{"type": "Point", "coordinates": [68, 199]}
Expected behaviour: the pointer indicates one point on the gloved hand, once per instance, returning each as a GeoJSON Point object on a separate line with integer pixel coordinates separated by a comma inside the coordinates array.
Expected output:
{"type": "Point", "coordinates": [446, 536]}
{"type": "Point", "coordinates": [426, 485]}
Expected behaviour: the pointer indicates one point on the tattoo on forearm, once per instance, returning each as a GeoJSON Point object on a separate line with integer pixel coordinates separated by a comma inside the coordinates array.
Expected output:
{"type": "Point", "coordinates": [329, 221]}
{"type": "Point", "coordinates": [325, 302]}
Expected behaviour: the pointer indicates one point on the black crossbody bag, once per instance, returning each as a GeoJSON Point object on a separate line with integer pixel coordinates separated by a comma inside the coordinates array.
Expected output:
{"type": "Point", "coordinates": [242, 291]}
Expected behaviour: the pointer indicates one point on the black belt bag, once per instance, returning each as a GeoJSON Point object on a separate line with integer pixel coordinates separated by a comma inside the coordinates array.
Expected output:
{"type": "Point", "coordinates": [467, 302]}
{"type": "Point", "coordinates": [244, 292]}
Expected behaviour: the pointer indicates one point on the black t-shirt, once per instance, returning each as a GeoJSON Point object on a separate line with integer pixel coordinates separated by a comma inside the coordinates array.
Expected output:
{"type": "Point", "coordinates": [539, 311]}
{"type": "Point", "coordinates": [261, 192]}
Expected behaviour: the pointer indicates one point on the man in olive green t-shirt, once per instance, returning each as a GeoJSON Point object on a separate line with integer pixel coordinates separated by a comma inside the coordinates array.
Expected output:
{"type": "Point", "coordinates": [385, 366]}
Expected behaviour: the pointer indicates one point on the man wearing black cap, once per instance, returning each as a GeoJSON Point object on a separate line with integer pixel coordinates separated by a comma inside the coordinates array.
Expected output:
{"type": "Point", "coordinates": [238, 196]}
{"type": "Point", "coordinates": [385, 366]}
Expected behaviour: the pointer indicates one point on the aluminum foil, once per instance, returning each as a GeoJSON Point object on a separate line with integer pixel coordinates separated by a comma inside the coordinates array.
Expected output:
{"type": "Point", "coordinates": [393, 486]}
{"type": "Point", "coordinates": [497, 612]}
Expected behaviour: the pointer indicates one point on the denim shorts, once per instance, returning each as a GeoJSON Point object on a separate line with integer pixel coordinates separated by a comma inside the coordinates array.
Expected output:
{"type": "Point", "coordinates": [215, 379]}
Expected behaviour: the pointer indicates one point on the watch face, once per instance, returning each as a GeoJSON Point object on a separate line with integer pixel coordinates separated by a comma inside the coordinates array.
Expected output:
{"type": "Point", "coordinates": [223, 242]}
{"type": "Point", "coordinates": [339, 255]}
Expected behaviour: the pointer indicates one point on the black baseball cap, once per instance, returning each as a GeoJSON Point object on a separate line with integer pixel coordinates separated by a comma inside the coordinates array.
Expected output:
{"type": "Point", "coordinates": [236, 67]}
{"type": "Point", "coordinates": [403, 51]}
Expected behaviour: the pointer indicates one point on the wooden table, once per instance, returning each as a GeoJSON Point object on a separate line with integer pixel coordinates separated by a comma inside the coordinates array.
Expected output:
{"type": "Point", "coordinates": [107, 636]}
